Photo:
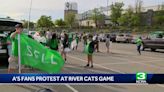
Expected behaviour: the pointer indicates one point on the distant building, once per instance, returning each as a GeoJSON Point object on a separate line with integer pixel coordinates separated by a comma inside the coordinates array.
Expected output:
{"type": "Point", "coordinates": [70, 7]}
{"type": "Point", "coordinates": [147, 14]}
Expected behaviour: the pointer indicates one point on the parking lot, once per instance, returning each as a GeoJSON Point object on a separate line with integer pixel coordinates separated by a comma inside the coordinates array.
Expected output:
{"type": "Point", "coordinates": [123, 58]}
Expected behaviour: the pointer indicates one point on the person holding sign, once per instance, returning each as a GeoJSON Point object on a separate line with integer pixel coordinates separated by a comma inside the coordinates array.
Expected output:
{"type": "Point", "coordinates": [89, 49]}
{"type": "Point", "coordinates": [13, 59]}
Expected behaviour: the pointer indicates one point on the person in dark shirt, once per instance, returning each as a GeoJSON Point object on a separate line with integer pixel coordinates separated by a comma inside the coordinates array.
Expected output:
{"type": "Point", "coordinates": [65, 44]}
{"type": "Point", "coordinates": [89, 49]}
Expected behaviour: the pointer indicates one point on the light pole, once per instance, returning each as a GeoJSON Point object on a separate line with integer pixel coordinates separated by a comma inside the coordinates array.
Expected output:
{"type": "Point", "coordinates": [29, 17]}
{"type": "Point", "coordinates": [107, 6]}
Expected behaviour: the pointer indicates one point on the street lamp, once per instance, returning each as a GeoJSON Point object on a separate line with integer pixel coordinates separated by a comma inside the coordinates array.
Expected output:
{"type": "Point", "coordinates": [29, 16]}
{"type": "Point", "coordinates": [107, 6]}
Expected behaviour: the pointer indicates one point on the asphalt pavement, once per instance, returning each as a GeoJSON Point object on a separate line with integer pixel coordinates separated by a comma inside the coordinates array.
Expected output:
{"type": "Point", "coordinates": [123, 58]}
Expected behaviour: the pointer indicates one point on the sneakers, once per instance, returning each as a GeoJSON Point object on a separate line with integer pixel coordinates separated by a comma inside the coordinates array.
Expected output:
{"type": "Point", "coordinates": [65, 60]}
{"type": "Point", "coordinates": [88, 66]}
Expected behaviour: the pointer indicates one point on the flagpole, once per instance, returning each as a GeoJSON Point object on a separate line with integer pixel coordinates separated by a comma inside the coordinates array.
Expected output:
{"type": "Point", "coordinates": [19, 54]}
{"type": "Point", "coordinates": [29, 17]}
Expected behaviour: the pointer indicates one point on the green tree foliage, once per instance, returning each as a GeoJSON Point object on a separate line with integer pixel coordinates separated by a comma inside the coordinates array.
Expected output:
{"type": "Point", "coordinates": [138, 10]}
{"type": "Point", "coordinates": [116, 11]}
{"type": "Point", "coordinates": [70, 19]}
{"type": "Point", "coordinates": [97, 17]}
{"type": "Point", "coordinates": [135, 20]}
{"type": "Point", "coordinates": [126, 18]}
{"type": "Point", "coordinates": [59, 23]}
{"type": "Point", "coordinates": [45, 22]}
{"type": "Point", "coordinates": [129, 18]}
{"type": "Point", "coordinates": [162, 6]}
{"type": "Point", "coordinates": [159, 18]}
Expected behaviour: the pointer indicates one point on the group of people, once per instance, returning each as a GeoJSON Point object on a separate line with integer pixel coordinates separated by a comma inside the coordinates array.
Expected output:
{"type": "Point", "coordinates": [63, 43]}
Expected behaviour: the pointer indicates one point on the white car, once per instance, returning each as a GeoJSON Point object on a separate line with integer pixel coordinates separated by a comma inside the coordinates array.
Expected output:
{"type": "Point", "coordinates": [31, 33]}
{"type": "Point", "coordinates": [102, 37]}
{"type": "Point", "coordinates": [124, 38]}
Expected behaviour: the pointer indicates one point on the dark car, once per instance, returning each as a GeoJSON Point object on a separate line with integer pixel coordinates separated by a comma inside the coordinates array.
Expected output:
{"type": "Point", "coordinates": [7, 25]}
{"type": "Point", "coordinates": [154, 41]}
{"type": "Point", "coordinates": [113, 37]}
{"type": "Point", "coordinates": [3, 49]}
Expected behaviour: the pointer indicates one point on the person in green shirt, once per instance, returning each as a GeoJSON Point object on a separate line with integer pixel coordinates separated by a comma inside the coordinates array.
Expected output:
{"type": "Point", "coordinates": [89, 49]}
{"type": "Point", "coordinates": [13, 59]}
{"type": "Point", "coordinates": [70, 39]}
{"type": "Point", "coordinates": [53, 43]}
{"type": "Point", "coordinates": [139, 44]}
{"type": "Point", "coordinates": [9, 44]}
{"type": "Point", "coordinates": [77, 40]}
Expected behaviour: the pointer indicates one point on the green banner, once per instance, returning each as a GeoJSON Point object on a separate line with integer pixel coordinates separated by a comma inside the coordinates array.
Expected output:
{"type": "Point", "coordinates": [38, 56]}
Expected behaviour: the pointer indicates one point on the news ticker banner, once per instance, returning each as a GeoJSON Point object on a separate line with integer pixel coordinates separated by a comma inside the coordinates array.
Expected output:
{"type": "Point", "coordinates": [83, 78]}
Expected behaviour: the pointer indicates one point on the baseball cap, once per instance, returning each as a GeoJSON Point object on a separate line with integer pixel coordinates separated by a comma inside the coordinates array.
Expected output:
{"type": "Point", "coordinates": [18, 26]}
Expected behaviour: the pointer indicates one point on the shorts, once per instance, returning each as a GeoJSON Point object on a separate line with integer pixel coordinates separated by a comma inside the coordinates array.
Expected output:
{"type": "Point", "coordinates": [13, 62]}
{"type": "Point", "coordinates": [107, 44]}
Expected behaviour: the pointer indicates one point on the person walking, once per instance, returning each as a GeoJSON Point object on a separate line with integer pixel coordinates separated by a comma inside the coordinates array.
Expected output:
{"type": "Point", "coordinates": [108, 42]}
{"type": "Point", "coordinates": [97, 43]}
{"type": "Point", "coordinates": [84, 41]}
{"type": "Point", "coordinates": [139, 43]}
{"type": "Point", "coordinates": [65, 47]}
{"type": "Point", "coordinates": [70, 39]}
{"type": "Point", "coordinates": [77, 40]}
{"type": "Point", "coordinates": [89, 49]}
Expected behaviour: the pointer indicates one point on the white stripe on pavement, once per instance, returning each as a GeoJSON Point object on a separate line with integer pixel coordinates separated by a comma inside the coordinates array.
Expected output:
{"type": "Point", "coordinates": [159, 85]}
{"type": "Point", "coordinates": [96, 64]}
{"type": "Point", "coordinates": [70, 87]}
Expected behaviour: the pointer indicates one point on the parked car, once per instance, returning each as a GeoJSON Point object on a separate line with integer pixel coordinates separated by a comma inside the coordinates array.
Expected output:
{"type": "Point", "coordinates": [124, 38]}
{"type": "Point", "coordinates": [3, 49]}
{"type": "Point", "coordinates": [7, 25]}
{"type": "Point", "coordinates": [113, 37]}
{"type": "Point", "coordinates": [31, 33]}
{"type": "Point", "coordinates": [154, 41]}
{"type": "Point", "coordinates": [102, 37]}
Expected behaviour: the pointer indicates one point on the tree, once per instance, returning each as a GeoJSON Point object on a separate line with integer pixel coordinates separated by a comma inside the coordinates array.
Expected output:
{"type": "Point", "coordinates": [25, 24]}
{"type": "Point", "coordinates": [126, 18]}
{"type": "Point", "coordinates": [136, 18]}
{"type": "Point", "coordinates": [116, 11]}
{"type": "Point", "coordinates": [97, 17]}
{"type": "Point", "coordinates": [70, 19]}
{"type": "Point", "coordinates": [159, 18]}
{"type": "Point", "coordinates": [138, 6]}
{"type": "Point", "coordinates": [162, 6]}
{"type": "Point", "coordinates": [59, 23]}
{"type": "Point", "coordinates": [45, 22]}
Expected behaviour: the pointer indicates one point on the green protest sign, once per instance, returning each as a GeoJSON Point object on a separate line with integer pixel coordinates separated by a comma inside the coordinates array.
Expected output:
{"type": "Point", "coordinates": [38, 56]}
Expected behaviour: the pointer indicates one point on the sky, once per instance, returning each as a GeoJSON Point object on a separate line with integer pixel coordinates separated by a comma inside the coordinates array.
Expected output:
{"type": "Point", "coordinates": [19, 9]}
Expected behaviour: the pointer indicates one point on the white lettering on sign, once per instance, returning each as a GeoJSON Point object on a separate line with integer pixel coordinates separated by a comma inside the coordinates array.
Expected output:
{"type": "Point", "coordinates": [29, 51]}
{"type": "Point", "coordinates": [43, 58]}
{"type": "Point", "coordinates": [52, 61]}
{"type": "Point", "coordinates": [36, 54]}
